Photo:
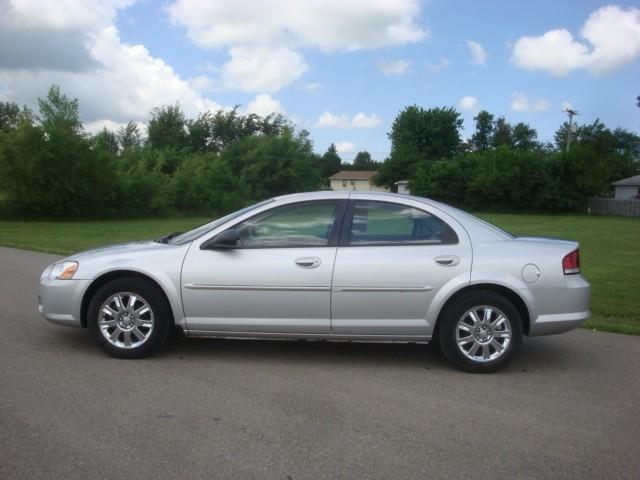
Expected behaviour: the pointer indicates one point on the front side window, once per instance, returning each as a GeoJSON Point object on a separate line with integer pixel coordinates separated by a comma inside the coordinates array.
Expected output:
{"type": "Point", "coordinates": [299, 225]}
{"type": "Point", "coordinates": [383, 223]}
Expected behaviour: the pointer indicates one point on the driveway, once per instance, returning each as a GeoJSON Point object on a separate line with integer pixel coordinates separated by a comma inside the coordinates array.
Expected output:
{"type": "Point", "coordinates": [568, 407]}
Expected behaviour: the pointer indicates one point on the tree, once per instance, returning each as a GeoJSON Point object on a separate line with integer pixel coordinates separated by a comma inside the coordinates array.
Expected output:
{"type": "Point", "coordinates": [482, 138]}
{"type": "Point", "coordinates": [524, 137]}
{"type": "Point", "coordinates": [420, 137]}
{"type": "Point", "coordinates": [49, 168]}
{"type": "Point", "coordinates": [128, 136]}
{"type": "Point", "coordinates": [502, 133]}
{"type": "Point", "coordinates": [330, 162]}
{"type": "Point", "coordinates": [167, 128]}
{"type": "Point", "coordinates": [106, 141]}
{"type": "Point", "coordinates": [9, 116]}
{"type": "Point", "coordinates": [272, 165]}
{"type": "Point", "coordinates": [58, 112]}
{"type": "Point", "coordinates": [363, 161]}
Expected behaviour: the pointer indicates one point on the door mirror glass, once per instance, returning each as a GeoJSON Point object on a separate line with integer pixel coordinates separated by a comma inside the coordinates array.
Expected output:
{"type": "Point", "coordinates": [226, 239]}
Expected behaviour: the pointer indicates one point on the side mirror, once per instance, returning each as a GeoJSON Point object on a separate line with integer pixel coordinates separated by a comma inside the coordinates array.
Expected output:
{"type": "Point", "coordinates": [225, 240]}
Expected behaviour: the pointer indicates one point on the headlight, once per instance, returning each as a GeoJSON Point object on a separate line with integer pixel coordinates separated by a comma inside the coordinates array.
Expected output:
{"type": "Point", "coordinates": [63, 271]}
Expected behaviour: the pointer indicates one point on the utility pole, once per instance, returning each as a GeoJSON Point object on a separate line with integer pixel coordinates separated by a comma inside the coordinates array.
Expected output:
{"type": "Point", "coordinates": [571, 113]}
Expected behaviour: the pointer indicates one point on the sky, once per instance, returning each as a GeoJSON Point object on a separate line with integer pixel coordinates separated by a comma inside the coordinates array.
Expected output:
{"type": "Point", "coordinates": [341, 69]}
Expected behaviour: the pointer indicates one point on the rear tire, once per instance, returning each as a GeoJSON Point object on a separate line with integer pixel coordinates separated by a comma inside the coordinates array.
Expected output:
{"type": "Point", "coordinates": [129, 318]}
{"type": "Point", "coordinates": [481, 332]}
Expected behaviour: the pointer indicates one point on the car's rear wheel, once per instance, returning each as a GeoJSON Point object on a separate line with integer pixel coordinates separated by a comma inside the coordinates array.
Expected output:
{"type": "Point", "coordinates": [129, 318]}
{"type": "Point", "coordinates": [481, 332]}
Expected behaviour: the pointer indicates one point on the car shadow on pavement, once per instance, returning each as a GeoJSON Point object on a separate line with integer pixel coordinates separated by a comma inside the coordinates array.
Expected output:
{"type": "Point", "coordinates": [536, 354]}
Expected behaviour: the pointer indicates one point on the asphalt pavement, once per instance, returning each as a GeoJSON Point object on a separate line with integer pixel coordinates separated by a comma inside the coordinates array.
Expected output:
{"type": "Point", "coordinates": [567, 407]}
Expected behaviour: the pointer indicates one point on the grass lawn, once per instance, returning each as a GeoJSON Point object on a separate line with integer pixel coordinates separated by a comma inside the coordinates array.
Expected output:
{"type": "Point", "coordinates": [609, 246]}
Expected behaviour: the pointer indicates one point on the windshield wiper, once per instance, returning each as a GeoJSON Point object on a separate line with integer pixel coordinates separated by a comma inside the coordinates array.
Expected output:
{"type": "Point", "coordinates": [166, 238]}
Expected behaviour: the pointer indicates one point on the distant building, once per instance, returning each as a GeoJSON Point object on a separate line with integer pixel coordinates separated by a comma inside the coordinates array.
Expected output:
{"type": "Point", "coordinates": [627, 188]}
{"type": "Point", "coordinates": [359, 180]}
{"type": "Point", "coordinates": [403, 186]}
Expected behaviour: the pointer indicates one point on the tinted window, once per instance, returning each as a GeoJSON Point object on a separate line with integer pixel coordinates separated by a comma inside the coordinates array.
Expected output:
{"type": "Point", "coordinates": [299, 225]}
{"type": "Point", "coordinates": [381, 223]}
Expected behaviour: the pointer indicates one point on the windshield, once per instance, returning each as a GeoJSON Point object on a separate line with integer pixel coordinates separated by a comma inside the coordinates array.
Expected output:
{"type": "Point", "coordinates": [207, 227]}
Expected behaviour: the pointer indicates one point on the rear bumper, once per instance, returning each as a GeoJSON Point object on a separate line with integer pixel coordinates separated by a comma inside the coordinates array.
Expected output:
{"type": "Point", "coordinates": [60, 301]}
{"type": "Point", "coordinates": [557, 323]}
{"type": "Point", "coordinates": [572, 301]}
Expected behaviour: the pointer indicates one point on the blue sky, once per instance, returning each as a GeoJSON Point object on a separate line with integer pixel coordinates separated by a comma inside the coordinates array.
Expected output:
{"type": "Point", "coordinates": [341, 69]}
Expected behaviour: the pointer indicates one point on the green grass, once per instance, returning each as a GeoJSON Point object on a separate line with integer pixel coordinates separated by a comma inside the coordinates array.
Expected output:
{"type": "Point", "coordinates": [69, 237]}
{"type": "Point", "coordinates": [610, 251]}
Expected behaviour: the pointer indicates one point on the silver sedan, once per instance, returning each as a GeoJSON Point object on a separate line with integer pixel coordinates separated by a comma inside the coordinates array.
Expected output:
{"type": "Point", "coordinates": [332, 266]}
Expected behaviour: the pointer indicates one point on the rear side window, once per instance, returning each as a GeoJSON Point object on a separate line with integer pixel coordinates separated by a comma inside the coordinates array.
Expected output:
{"type": "Point", "coordinates": [299, 225]}
{"type": "Point", "coordinates": [383, 223]}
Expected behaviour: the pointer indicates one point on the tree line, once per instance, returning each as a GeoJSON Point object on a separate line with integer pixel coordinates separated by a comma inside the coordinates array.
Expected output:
{"type": "Point", "coordinates": [50, 167]}
{"type": "Point", "coordinates": [504, 166]}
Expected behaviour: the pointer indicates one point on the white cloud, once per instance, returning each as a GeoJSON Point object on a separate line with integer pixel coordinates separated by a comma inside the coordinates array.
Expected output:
{"type": "Point", "coordinates": [394, 67]}
{"type": "Point", "coordinates": [469, 103]}
{"type": "Point", "coordinates": [360, 120]}
{"type": "Point", "coordinates": [118, 83]}
{"type": "Point", "coordinates": [435, 68]}
{"type": "Point", "coordinates": [264, 104]}
{"type": "Point", "coordinates": [521, 103]}
{"type": "Point", "coordinates": [478, 53]}
{"type": "Point", "coordinates": [262, 69]}
{"type": "Point", "coordinates": [612, 40]}
{"type": "Point", "coordinates": [312, 87]}
{"type": "Point", "coordinates": [345, 147]}
{"type": "Point", "coordinates": [272, 27]}
{"type": "Point", "coordinates": [329, 25]}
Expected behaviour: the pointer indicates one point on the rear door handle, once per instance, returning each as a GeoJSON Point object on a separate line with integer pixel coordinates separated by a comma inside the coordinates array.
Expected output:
{"type": "Point", "coordinates": [308, 262]}
{"type": "Point", "coordinates": [447, 260]}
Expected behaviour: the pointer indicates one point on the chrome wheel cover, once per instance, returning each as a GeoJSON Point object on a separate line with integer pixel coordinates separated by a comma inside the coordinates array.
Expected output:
{"type": "Point", "coordinates": [126, 320]}
{"type": "Point", "coordinates": [483, 333]}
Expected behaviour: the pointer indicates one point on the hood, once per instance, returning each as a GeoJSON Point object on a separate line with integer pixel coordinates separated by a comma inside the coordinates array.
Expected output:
{"type": "Point", "coordinates": [115, 248]}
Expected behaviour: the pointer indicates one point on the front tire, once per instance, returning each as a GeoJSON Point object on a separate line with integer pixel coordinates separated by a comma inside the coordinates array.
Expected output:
{"type": "Point", "coordinates": [481, 332]}
{"type": "Point", "coordinates": [129, 318]}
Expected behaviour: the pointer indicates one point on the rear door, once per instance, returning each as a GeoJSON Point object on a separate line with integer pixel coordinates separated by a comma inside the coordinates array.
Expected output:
{"type": "Point", "coordinates": [393, 258]}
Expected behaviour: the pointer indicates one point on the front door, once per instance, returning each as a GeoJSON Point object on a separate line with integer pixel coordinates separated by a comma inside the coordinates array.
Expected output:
{"type": "Point", "coordinates": [392, 261]}
{"type": "Point", "coordinates": [278, 279]}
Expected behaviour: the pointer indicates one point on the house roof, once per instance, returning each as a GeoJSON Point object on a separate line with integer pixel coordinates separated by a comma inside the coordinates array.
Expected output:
{"type": "Point", "coordinates": [353, 175]}
{"type": "Point", "coordinates": [631, 181]}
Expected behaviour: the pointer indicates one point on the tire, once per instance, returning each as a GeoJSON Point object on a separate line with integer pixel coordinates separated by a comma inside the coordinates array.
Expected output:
{"type": "Point", "coordinates": [477, 343]}
{"type": "Point", "coordinates": [129, 331]}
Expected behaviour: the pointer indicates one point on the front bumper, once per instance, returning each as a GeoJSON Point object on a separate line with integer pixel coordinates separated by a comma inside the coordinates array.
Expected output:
{"type": "Point", "coordinates": [60, 301]}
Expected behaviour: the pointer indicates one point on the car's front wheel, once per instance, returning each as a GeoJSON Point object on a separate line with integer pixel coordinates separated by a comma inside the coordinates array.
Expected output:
{"type": "Point", "coordinates": [129, 318]}
{"type": "Point", "coordinates": [481, 332]}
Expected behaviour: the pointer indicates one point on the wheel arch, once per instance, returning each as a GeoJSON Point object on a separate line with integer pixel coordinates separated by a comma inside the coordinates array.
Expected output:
{"type": "Point", "coordinates": [506, 292]}
{"type": "Point", "coordinates": [114, 275]}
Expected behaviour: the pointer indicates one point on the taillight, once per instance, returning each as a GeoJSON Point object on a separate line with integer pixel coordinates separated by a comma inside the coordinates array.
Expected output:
{"type": "Point", "coordinates": [571, 263]}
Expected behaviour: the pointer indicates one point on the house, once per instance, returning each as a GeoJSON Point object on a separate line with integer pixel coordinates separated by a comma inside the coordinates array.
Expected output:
{"type": "Point", "coordinates": [360, 180]}
{"type": "Point", "coordinates": [627, 188]}
{"type": "Point", "coordinates": [403, 187]}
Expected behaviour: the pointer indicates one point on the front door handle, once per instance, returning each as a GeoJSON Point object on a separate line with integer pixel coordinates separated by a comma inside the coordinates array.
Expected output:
{"type": "Point", "coordinates": [447, 260]}
{"type": "Point", "coordinates": [308, 262]}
